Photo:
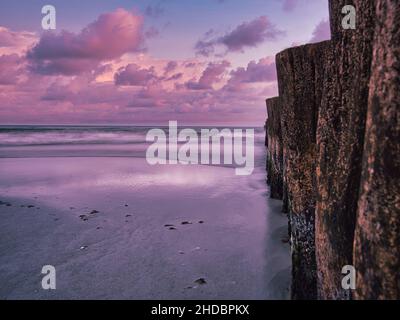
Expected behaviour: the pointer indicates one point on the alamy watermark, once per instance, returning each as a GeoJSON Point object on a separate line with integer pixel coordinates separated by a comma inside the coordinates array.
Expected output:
{"type": "Point", "coordinates": [190, 147]}
{"type": "Point", "coordinates": [49, 20]}
{"type": "Point", "coordinates": [349, 279]}
{"type": "Point", "coordinates": [349, 20]}
{"type": "Point", "coordinates": [49, 280]}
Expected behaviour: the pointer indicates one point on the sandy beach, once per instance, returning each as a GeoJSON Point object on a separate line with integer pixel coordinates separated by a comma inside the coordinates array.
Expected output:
{"type": "Point", "coordinates": [117, 228]}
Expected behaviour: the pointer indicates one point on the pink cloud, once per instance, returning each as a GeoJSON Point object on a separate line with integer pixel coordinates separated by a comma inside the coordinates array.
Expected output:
{"type": "Point", "coordinates": [321, 32]}
{"type": "Point", "coordinates": [144, 97]}
{"type": "Point", "coordinates": [262, 71]}
{"type": "Point", "coordinates": [145, 89]}
{"type": "Point", "coordinates": [57, 92]}
{"type": "Point", "coordinates": [10, 38]}
{"type": "Point", "coordinates": [109, 37]}
{"type": "Point", "coordinates": [134, 75]}
{"type": "Point", "coordinates": [10, 69]}
{"type": "Point", "coordinates": [82, 100]}
{"type": "Point", "coordinates": [190, 65]}
{"type": "Point", "coordinates": [171, 66]}
{"type": "Point", "coordinates": [246, 35]}
{"type": "Point", "coordinates": [175, 77]}
{"type": "Point", "coordinates": [251, 34]}
{"type": "Point", "coordinates": [211, 75]}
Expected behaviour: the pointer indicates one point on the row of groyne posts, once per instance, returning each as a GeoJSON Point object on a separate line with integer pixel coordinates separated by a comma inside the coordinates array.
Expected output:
{"type": "Point", "coordinates": [333, 155]}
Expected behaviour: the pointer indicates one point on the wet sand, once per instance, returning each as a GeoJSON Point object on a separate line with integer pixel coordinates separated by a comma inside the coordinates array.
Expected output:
{"type": "Point", "coordinates": [116, 228]}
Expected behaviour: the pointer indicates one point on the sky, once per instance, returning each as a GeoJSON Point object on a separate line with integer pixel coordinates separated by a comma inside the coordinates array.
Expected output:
{"type": "Point", "coordinates": [147, 62]}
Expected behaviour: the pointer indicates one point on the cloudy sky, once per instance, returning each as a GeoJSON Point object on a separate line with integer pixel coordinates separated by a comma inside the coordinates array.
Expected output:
{"type": "Point", "coordinates": [148, 61]}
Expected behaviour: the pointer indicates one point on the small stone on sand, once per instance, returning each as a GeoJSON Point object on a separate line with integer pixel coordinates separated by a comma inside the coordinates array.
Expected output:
{"type": "Point", "coordinates": [201, 281]}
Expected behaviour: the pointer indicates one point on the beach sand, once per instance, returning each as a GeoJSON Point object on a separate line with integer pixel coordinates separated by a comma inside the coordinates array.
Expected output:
{"type": "Point", "coordinates": [117, 228]}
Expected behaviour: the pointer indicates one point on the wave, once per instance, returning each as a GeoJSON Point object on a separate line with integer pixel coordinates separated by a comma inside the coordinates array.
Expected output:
{"type": "Point", "coordinates": [68, 137]}
{"type": "Point", "coordinates": [77, 135]}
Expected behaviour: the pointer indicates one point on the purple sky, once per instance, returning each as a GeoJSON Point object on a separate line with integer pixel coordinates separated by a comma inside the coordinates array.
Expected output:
{"type": "Point", "coordinates": [147, 62]}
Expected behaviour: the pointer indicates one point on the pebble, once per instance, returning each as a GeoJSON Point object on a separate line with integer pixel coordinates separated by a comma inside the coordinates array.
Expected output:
{"type": "Point", "coordinates": [201, 281]}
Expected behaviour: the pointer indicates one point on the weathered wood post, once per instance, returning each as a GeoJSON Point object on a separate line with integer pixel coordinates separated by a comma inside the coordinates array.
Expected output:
{"type": "Point", "coordinates": [377, 238]}
{"type": "Point", "coordinates": [340, 139]}
{"type": "Point", "coordinates": [300, 77]}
